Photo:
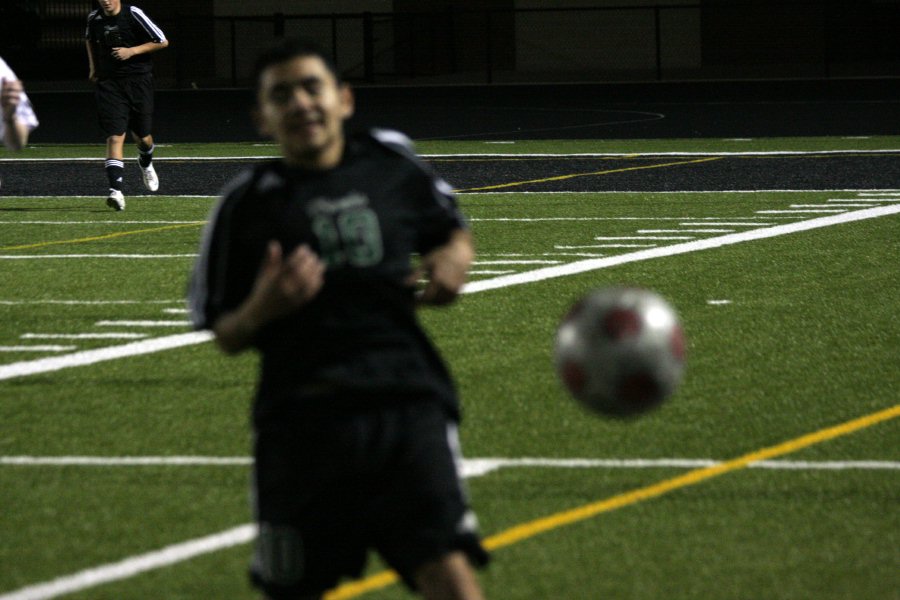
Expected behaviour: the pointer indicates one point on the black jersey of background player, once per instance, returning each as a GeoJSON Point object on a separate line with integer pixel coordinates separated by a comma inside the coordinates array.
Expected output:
{"type": "Point", "coordinates": [130, 28]}
{"type": "Point", "coordinates": [364, 219]}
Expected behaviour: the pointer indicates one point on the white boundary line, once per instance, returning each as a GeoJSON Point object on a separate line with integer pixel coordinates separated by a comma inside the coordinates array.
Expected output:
{"type": "Point", "coordinates": [861, 191]}
{"type": "Point", "coordinates": [143, 197]}
{"type": "Point", "coordinates": [655, 154]}
{"type": "Point", "coordinates": [476, 467]}
{"type": "Point", "coordinates": [38, 348]}
{"type": "Point", "coordinates": [45, 365]}
{"type": "Point", "coordinates": [472, 467]}
{"type": "Point", "coordinates": [87, 302]}
{"type": "Point", "coordinates": [888, 192]}
{"type": "Point", "coordinates": [143, 323]}
{"type": "Point", "coordinates": [89, 357]}
{"type": "Point", "coordinates": [132, 566]}
{"type": "Point", "coordinates": [490, 155]}
{"type": "Point", "coordinates": [111, 222]}
{"type": "Point", "coordinates": [124, 461]}
{"type": "Point", "coordinates": [584, 266]}
{"type": "Point", "coordinates": [67, 256]}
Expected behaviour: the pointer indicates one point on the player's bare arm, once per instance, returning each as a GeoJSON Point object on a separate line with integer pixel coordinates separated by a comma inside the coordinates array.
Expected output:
{"type": "Point", "coordinates": [282, 285]}
{"type": "Point", "coordinates": [92, 70]}
{"type": "Point", "coordinates": [15, 132]}
{"type": "Point", "coordinates": [126, 53]}
{"type": "Point", "coordinates": [10, 97]}
{"type": "Point", "coordinates": [446, 269]}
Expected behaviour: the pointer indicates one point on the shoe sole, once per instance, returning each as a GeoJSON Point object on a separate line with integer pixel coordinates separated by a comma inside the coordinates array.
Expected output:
{"type": "Point", "coordinates": [112, 203]}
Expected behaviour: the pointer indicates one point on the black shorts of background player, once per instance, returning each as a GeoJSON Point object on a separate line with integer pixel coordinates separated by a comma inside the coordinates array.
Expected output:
{"type": "Point", "coordinates": [308, 259]}
{"type": "Point", "coordinates": [120, 39]}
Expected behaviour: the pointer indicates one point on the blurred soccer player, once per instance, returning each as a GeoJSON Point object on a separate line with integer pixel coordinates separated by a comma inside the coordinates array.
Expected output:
{"type": "Point", "coordinates": [120, 39]}
{"type": "Point", "coordinates": [308, 260]}
{"type": "Point", "coordinates": [18, 115]}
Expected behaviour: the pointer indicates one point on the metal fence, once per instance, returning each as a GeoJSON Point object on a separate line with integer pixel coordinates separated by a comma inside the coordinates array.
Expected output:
{"type": "Point", "coordinates": [708, 40]}
{"type": "Point", "coordinates": [487, 46]}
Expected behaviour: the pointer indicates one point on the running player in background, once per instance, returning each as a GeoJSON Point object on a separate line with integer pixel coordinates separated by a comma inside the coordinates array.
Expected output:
{"type": "Point", "coordinates": [120, 39]}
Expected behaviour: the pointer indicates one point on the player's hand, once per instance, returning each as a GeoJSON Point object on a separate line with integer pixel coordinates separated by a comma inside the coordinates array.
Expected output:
{"type": "Point", "coordinates": [282, 285]}
{"type": "Point", "coordinates": [10, 96]}
{"type": "Point", "coordinates": [285, 283]}
{"type": "Point", "coordinates": [122, 53]}
{"type": "Point", "coordinates": [445, 270]}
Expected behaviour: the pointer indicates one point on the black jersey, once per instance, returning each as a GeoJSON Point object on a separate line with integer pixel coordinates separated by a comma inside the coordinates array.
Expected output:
{"type": "Point", "coordinates": [359, 337]}
{"type": "Point", "coordinates": [130, 28]}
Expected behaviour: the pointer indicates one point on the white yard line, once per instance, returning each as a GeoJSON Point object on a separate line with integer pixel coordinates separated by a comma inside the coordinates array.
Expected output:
{"type": "Point", "coordinates": [868, 191]}
{"type": "Point", "coordinates": [44, 365]}
{"type": "Point", "coordinates": [584, 266]}
{"type": "Point", "coordinates": [124, 461]}
{"type": "Point", "coordinates": [489, 272]}
{"type": "Point", "coordinates": [516, 262]}
{"type": "Point", "coordinates": [607, 238]}
{"type": "Point", "coordinates": [83, 336]}
{"type": "Point", "coordinates": [104, 222]}
{"type": "Point", "coordinates": [854, 201]}
{"type": "Point", "coordinates": [820, 205]}
{"type": "Point", "coordinates": [655, 231]}
{"type": "Point", "coordinates": [40, 348]}
{"type": "Point", "coordinates": [126, 323]}
{"type": "Point", "coordinates": [475, 467]}
{"type": "Point", "coordinates": [136, 197]}
{"type": "Point", "coordinates": [843, 204]}
{"type": "Point", "coordinates": [128, 256]}
{"type": "Point", "coordinates": [86, 302]}
{"type": "Point", "coordinates": [136, 564]}
{"type": "Point", "coordinates": [748, 220]}
{"type": "Point", "coordinates": [723, 224]}
{"type": "Point", "coordinates": [809, 211]}
{"type": "Point", "coordinates": [893, 196]}
{"type": "Point", "coordinates": [472, 467]}
{"type": "Point", "coordinates": [605, 246]}
{"type": "Point", "coordinates": [90, 357]}
{"type": "Point", "coordinates": [488, 155]}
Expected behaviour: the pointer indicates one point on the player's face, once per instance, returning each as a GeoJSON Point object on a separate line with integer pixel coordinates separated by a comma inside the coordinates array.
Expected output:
{"type": "Point", "coordinates": [110, 7]}
{"type": "Point", "coordinates": [303, 107]}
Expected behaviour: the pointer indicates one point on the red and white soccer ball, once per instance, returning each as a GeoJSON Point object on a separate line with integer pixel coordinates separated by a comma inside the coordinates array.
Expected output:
{"type": "Point", "coordinates": [620, 351]}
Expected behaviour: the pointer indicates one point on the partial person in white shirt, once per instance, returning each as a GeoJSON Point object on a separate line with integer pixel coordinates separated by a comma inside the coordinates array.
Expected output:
{"type": "Point", "coordinates": [18, 115]}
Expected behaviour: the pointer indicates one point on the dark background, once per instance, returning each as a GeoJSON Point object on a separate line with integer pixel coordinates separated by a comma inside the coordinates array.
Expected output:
{"type": "Point", "coordinates": [499, 69]}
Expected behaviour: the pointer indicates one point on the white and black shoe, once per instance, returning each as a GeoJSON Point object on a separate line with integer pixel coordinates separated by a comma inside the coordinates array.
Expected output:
{"type": "Point", "coordinates": [148, 175]}
{"type": "Point", "coordinates": [116, 200]}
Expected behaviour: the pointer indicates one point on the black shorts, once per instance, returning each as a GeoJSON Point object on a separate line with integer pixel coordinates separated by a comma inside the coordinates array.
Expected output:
{"type": "Point", "coordinates": [327, 489]}
{"type": "Point", "coordinates": [126, 104]}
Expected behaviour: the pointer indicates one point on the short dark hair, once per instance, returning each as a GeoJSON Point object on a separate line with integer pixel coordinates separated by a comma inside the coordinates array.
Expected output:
{"type": "Point", "coordinates": [289, 49]}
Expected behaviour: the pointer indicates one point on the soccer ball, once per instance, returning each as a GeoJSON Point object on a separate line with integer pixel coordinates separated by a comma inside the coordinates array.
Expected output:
{"type": "Point", "coordinates": [620, 351]}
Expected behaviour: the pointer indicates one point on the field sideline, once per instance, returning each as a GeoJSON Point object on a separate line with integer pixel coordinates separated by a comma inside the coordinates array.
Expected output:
{"type": "Point", "coordinates": [121, 457]}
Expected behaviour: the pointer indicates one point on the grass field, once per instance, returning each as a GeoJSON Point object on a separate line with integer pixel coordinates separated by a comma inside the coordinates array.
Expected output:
{"type": "Point", "coordinates": [122, 434]}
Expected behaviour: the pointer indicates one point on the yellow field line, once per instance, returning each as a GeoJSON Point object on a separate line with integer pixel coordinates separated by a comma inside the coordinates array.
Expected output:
{"type": "Point", "coordinates": [573, 175]}
{"type": "Point", "coordinates": [561, 519]}
{"type": "Point", "coordinates": [107, 236]}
